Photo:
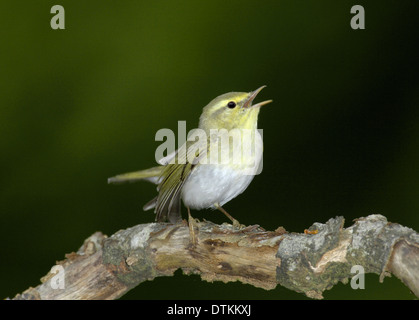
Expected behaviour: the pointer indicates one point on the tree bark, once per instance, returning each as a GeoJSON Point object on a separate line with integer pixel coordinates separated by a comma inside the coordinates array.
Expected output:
{"type": "Point", "coordinates": [107, 267]}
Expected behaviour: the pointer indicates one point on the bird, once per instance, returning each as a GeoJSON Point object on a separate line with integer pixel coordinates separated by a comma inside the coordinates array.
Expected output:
{"type": "Point", "coordinates": [196, 173]}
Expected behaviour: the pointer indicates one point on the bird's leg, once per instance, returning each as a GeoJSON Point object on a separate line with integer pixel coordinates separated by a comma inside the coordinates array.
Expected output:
{"type": "Point", "coordinates": [192, 226]}
{"type": "Point", "coordinates": [236, 224]}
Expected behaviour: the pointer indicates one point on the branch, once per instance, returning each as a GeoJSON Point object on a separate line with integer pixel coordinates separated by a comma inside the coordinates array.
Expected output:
{"type": "Point", "coordinates": [106, 268]}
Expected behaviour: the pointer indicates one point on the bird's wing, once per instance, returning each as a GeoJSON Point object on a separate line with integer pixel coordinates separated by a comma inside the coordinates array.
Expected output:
{"type": "Point", "coordinates": [174, 175]}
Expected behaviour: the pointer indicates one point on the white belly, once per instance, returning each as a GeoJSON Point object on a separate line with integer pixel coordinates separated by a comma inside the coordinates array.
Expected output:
{"type": "Point", "coordinates": [209, 184]}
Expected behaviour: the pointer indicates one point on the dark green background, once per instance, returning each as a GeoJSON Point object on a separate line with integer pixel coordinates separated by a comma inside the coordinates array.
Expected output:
{"type": "Point", "coordinates": [82, 104]}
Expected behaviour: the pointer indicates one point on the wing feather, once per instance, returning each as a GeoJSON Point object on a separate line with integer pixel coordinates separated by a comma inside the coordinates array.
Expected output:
{"type": "Point", "coordinates": [174, 176]}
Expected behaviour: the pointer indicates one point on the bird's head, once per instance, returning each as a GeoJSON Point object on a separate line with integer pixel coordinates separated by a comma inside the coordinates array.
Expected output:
{"type": "Point", "coordinates": [233, 110]}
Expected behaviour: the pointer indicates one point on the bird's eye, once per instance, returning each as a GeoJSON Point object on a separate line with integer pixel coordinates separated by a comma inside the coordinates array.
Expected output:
{"type": "Point", "coordinates": [231, 104]}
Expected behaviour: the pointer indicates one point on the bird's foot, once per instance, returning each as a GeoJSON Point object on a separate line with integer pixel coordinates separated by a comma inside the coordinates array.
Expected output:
{"type": "Point", "coordinates": [237, 225]}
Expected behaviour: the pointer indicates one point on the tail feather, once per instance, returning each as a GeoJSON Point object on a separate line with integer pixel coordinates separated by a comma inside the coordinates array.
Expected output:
{"type": "Point", "coordinates": [151, 174]}
{"type": "Point", "coordinates": [150, 205]}
{"type": "Point", "coordinates": [170, 210]}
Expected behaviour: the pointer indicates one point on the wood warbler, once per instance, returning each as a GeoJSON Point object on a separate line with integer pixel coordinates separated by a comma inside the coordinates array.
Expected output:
{"type": "Point", "coordinates": [194, 173]}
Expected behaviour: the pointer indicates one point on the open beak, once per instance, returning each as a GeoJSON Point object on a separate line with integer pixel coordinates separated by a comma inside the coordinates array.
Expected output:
{"type": "Point", "coordinates": [252, 96]}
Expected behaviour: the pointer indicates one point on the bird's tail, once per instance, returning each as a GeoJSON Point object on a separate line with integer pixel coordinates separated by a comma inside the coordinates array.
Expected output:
{"type": "Point", "coordinates": [151, 174]}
